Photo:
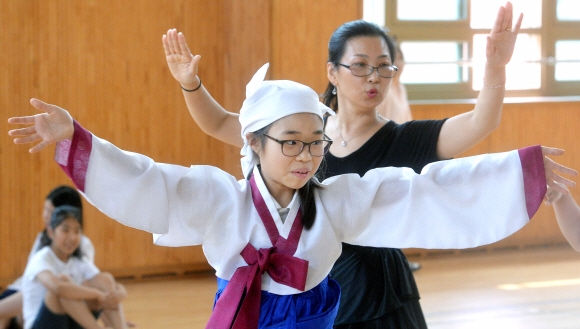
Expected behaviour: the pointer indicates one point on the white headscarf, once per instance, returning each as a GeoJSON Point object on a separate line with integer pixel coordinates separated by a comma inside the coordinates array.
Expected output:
{"type": "Point", "coordinates": [271, 100]}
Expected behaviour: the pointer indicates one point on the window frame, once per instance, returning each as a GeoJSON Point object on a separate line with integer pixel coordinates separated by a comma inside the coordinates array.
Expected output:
{"type": "Point", "coordinates": [460, 31]}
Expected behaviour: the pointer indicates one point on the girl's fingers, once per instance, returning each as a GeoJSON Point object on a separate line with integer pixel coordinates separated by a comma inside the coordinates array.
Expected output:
{"type": "Point", "coordinates": [21, 120]}
{"type": "Point", "coordinates": [558, 189]}
{"type": "Point", "coordinates": [565, 170]}
{"type": "Point", "coordinates": [22, 131]}
{"type": "Point", "coordinates": [557, 179]}
{"type": "Point", "coordinates": [42, 106]}
{"type": "Point", "coordinates": [38, 147]}
{"type": "Point", "coordinates": [551, 151]}
{"type": "Point", "coordinates": [27, 139]}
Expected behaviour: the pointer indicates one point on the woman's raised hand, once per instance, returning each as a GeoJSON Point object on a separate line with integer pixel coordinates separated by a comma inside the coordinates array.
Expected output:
{"type": "Point", "coordinates": [52, 126]}
{"type": "Point", "coordinates": [553, 180]}
{"type": "Point", "coordinates": [181, 62]}
{"type": "Point", "coordinates": [502, 38]}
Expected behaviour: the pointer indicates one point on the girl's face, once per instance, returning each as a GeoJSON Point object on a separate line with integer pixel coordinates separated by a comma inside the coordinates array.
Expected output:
{"type": "Point", "coordinates": [66, 238]}
{"type": "Point", "coordinates": [47, 212]}
{"type": "Point", "coordinates": [361, 92]}
{"type": "Point", "coordinates": [285, 174]}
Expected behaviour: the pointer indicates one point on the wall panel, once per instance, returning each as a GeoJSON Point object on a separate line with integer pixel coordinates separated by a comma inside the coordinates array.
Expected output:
{"type": "Point", "coordinates": [300, 33]}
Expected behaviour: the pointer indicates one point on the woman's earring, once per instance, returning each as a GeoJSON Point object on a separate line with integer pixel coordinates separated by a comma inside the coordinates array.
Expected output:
{"type": "Point", "coordinates": [334, 90]}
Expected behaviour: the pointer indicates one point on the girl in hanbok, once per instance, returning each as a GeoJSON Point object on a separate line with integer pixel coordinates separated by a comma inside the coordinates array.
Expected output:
{"type": "Point", "coordinates": [273, 236]}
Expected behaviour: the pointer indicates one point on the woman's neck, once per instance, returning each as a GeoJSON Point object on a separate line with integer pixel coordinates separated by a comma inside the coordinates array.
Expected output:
{"type": "Point", "coordinates": [350, 123]}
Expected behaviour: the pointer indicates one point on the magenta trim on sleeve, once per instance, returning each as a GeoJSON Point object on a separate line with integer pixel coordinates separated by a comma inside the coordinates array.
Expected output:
{"type": "Point", "coordinates": [73, 155]}
{"type": "Point", "coordinates": [534, 177]}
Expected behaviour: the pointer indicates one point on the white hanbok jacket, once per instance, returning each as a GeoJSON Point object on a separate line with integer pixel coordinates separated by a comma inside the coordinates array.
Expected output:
{"type": "Point", "coordinates": [461, 203]}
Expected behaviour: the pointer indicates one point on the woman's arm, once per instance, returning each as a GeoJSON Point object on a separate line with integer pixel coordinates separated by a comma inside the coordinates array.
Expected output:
{"type": "Point", "coordinates": [463, 131]}
{"type": "Point", "coordinates": [63, 287]}
{"type": "Point", "coordinates": [213, 119]}
{"type": "Point", "coordinates": [567, 214]}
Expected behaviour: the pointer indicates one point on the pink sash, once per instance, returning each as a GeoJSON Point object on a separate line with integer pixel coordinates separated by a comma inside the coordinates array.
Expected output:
{"type": "Point", "coordinates": [239, 305]}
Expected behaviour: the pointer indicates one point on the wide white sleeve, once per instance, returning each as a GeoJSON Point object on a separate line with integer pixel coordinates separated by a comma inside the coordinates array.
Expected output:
{"type": "Point", "coordinates": [459, 203]}
{"type": "Point", "coordinates": [172, 201]}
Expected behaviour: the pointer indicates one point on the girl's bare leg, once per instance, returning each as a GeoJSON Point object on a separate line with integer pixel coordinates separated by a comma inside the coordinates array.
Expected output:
{"type": "Point", "coordinates": [10, 307]}
{"type": "Point", "coordinates": [112, 316]}
{"type": "Point", "coordinates": [76, 309]}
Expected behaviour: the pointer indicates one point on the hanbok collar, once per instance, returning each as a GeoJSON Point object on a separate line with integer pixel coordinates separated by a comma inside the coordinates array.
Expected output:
{"type": "Point", "coordinates": [294, 205]}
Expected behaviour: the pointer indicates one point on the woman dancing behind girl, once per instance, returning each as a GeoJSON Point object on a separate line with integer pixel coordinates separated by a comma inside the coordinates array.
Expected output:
{"type": "Point", "coordinates": [378, 287]}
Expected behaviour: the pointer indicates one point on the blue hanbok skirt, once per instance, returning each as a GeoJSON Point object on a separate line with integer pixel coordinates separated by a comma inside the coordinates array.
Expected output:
{"type": "Point", "coordinates": [315, 308]}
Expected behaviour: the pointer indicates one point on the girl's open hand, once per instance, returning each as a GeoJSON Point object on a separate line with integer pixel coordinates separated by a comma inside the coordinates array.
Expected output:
{"type": "Point", "coordinates": [553, 180]}
{"type": "Point", "coordinates": [52, 126]}
{"type": "Point", "coordinates": [181, 62]}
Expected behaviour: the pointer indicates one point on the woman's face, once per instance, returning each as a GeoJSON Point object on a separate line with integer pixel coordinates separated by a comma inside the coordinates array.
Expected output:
{"type": "Point", "coordinates": [66, 238]}
{"type": "Point", "coordinates": [361, 92]}
{"type": "Point", "coordinates": [284, 174]}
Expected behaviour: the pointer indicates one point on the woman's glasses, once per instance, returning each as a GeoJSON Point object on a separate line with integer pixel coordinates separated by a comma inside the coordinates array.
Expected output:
{"type": "Point", "coordinates": [363, 70]}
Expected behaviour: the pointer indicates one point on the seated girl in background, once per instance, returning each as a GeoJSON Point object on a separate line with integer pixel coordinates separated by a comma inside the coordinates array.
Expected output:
{"type": "Point", "coordinates": [11, 298]}
{"type": "Point", "coordinates": [53, 287]}
{"type": "Point", "coordinates": [273, 237]}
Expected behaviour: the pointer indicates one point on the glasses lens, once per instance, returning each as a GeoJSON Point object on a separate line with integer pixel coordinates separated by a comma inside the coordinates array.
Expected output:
{"type": "Point", "coordinates": [387, 71]}
{"type": "Point", "coordinates": [292, 148]}
{"type": "Point", "coordinates": [360, 70]}
{"type": "Point", "coordinates": [319, 148]}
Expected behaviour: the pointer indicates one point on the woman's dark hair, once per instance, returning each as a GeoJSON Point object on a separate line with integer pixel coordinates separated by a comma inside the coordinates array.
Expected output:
{"type": "Point", "coordinates": [59, 215]}
{"type": "Point", "coordinates": [306, 192]}
{"type": "Point", "coordinates": [62, 195]}
{"type": "Point", "coordinates": [337, 47]}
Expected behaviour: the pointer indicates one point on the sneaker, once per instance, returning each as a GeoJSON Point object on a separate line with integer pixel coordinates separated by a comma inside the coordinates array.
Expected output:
{"type": "Point", "coordinates": [414, 266]}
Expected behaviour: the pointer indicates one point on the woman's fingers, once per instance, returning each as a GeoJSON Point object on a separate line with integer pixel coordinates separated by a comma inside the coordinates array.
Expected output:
{"type": "Point", "coordinates": [516, 29]}
{"type": "Point", "coordinates": [183, 45]}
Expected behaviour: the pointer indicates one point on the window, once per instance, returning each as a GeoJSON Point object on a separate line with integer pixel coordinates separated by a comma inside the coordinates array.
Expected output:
{"type": "Point", "coordinates": [444, 45]}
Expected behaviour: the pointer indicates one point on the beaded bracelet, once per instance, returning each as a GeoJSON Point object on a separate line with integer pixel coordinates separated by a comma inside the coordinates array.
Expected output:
{"type": "Point", "coordinates": [192, 90]}
{"type": "Point", "coordinates": [493, 87]}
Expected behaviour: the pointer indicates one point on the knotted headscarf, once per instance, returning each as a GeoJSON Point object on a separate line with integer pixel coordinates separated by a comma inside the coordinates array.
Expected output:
{"type": "Point", "coordinates": [271, 100]}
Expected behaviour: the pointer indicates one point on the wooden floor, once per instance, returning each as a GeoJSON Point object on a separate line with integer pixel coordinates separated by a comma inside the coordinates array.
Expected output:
{"type": "Point", "coordinates": [532, 289]}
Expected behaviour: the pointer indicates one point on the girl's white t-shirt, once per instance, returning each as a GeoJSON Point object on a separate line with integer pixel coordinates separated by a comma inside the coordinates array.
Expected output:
{"type": "Point", "coordinates": [33, 291]}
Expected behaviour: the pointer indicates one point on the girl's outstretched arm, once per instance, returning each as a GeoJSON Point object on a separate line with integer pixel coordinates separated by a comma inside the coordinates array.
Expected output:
{"type": "Point", "coordinates": [52, 126]}
{"type": "Point", "coordinates": [567, 214]}
{"type": "Point", "coordinates": [213, 119]}
{"type": "Point", "coordinates": [463, 131]}
{"type": "Point", "coordinates": [552, 168]}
